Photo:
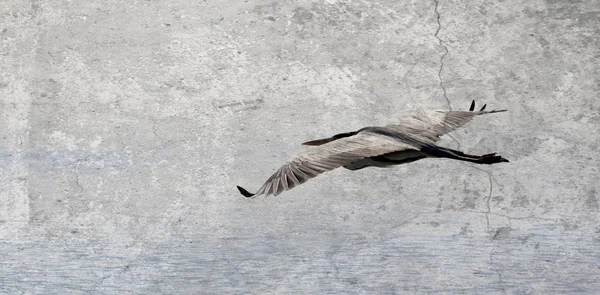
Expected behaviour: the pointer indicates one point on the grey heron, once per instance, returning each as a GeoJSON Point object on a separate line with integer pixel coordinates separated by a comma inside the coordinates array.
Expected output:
{"type": "Point", "coordinates": [411, 139]}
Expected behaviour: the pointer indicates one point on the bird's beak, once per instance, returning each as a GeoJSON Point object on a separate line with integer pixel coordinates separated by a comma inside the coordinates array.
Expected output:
{"type": "Point", "coordinates": [316, 142]}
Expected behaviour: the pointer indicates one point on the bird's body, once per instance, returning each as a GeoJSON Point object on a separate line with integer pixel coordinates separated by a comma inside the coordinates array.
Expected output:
{"type": "Point", "coordinates": [411, 139]}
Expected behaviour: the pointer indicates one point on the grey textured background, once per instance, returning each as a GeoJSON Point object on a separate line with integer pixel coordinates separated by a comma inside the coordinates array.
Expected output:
{"type": "Point", "coordinates": [125, 126]}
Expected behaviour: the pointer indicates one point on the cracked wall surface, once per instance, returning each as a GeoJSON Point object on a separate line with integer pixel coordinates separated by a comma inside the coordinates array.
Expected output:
{"type": "Point", "coordinates": [125, 127]}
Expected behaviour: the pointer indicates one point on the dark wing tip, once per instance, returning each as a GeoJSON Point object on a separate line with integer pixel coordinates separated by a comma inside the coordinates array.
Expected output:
{"type": "Point", "coordinates": [472, 106]}
{"type": "Point", "coordinates": [483, 107]}
{"type": "Point", "coordinates": [244, 192]}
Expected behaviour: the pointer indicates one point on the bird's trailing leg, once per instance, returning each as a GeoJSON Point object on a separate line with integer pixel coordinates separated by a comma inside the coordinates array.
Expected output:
{"type": "Point", "coordinates": [440, 152]}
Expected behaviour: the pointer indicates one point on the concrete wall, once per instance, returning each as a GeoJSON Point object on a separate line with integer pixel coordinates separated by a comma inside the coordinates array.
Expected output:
{"type": "Point", "coordinates": [125, 126]}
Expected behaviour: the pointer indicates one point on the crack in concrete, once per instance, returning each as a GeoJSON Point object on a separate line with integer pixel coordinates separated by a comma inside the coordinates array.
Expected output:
{"type": "Point", "coordinates": [510, 218]}
{"type": "Point", "coordinates": [488, 212]}
{"type": "Point", "coordinates": [408, 88]}
{"type": "Point", "coordinates": [123, 270]}
{"type": "Point", "coordinates": [435, 9]}
{"type": "Point", "coordinates": [500, 279]}
{"type": "Point", "coordinates": [69, 205]}
{"type": "Point", "coordinates": [77, 177]}
{"type": "Point", "coordinates": [155, 247]}
{"type": "Point", "coordinates": [405, 78]}
{"type": "Point", "coordinates": [443, 55]}
{"type": "Point", "coordinates": [407, 221]}
{"type": "Point", "coordinates": [455, 140]}
{"type": "Point", "coordinates": [412, 99]}
{"type": "Point", "coordinates": [154, 130]}
{"type": "Point", "coordinates": [489, 198]}
{"type": "Point", "coordinates": [98, 284]}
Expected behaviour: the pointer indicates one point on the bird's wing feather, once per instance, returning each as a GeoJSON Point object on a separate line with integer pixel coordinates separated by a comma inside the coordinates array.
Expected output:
{"type": "Point", "coordinates": [312, 162]}
{"type": "Point", "coordinates": [430, 125]}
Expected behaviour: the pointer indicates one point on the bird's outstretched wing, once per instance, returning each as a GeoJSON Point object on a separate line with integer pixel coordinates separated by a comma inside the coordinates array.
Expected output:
{"type": "Point", "coordinates": [429, 126]}
{"type": "Point", "coordinates": [322, 158]}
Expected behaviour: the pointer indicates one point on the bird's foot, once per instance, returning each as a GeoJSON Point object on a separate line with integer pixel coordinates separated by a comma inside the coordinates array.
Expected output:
{"type": "Point", "coordinates": [492, 158]}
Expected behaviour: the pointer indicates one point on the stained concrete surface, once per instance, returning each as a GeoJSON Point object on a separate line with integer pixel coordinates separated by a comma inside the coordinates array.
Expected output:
{"type": "Point", "coordinates": [125, 126]}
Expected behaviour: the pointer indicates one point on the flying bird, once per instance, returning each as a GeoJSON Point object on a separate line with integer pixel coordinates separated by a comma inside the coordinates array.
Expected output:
{"type": "Point", "coordinates": [411, 139]}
